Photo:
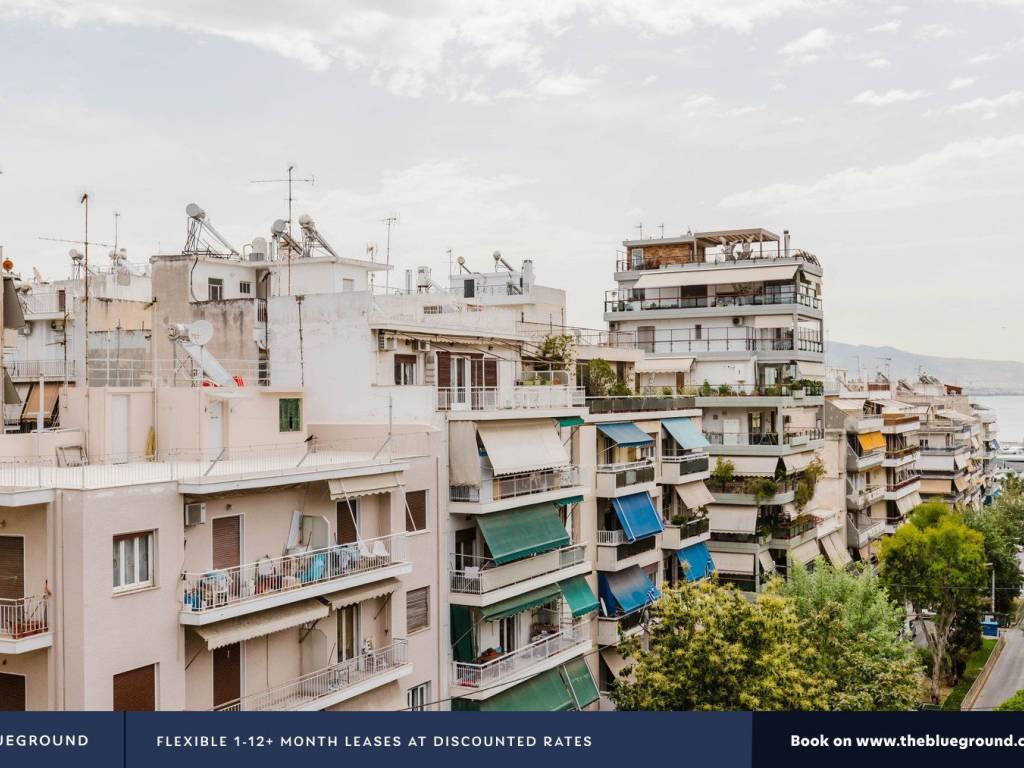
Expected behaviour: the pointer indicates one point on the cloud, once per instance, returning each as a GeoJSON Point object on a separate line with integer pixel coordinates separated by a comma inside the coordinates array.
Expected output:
{"type": "Point", "coordinates": [892, 96]}
{"type": "Point", "coordinates": [935, 31]}
{"type": "Point", "coordinates": [809, 46]}
{"type": "Point", "coordinates": [567, 84]}
{"type": "Point", "coordinates": [988, 107]}
{"type": "Point", "coordinates": [983, 167]}
{"type": "Point", "coordinates": [888, 26]}
{"type": "Point", "coordinates": [961, 82]}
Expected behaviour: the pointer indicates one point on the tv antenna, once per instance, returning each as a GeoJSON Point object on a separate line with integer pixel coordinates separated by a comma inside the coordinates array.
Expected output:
{"type": "Point", "coordinates": [388, 221]}
{"type": "Point", "coordinates": [662, 228]}
{"type": "Point", "coordinates": [640, 227]}
{"type": "Point", "coordinates": [289, 181]}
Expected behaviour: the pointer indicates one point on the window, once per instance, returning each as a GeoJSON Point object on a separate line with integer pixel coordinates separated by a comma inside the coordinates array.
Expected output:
{"type": "Point", "coordinates": [417, 609]}
{"type": "Point", "coordinates": [696, 332]}
{"type": "Point", "coordinates": [289, 411]}
{"type": "Point", "coordinates": [508, 633]}
{"type": "Point", "coordinates": [245, 288]}
{"type": "Point", "coordinates": [416, 510]}
{"type": "Point", "coordinates": [348, 284]}
{"type": "Point", "coordinates": [215, 288]}
{"type": "Point", "coordinates": [636, 257]}
{"type": "Point", "coordinates": [135, 690]}
{"type": "Point", "coordinates": [405, 370]}
{"type": "Point", "coordinates": [133, 560]}
{"type": "Point", "coordinates": [417, 698]}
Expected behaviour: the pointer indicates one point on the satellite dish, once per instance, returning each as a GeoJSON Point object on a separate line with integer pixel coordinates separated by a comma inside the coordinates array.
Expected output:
{"type": "Point", "coordinates": [200, 332]}
{"type": "Point", "coordinates": [193, 211]}
{"type": "Point", "coordinates": [278, 227]}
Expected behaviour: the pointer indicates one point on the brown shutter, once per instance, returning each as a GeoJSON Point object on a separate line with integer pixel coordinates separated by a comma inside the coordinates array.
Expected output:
{"type": "Point", "coordinates": [12, 567]}
{"type": "Point", "coordinates": [403, 360]}
{"type": "Point", "coordinates": [12, 693]}
{"type": "Point", "coordinates": [227, 542]}
{"type": "Point", "coordinates": [417, 609]}
{"type": "Point", "coordinates": [347, 532]}
{"type": "Point", "coordinates": [444, 370]}
{"type": "Point", "coordinates": [416, 519]}
{"type": "Point", "coordinates": [227, 674]}
{"type": "Point", "coordinates": [135, 691]}
{"type": "Point", "coordinates": [491, 373]}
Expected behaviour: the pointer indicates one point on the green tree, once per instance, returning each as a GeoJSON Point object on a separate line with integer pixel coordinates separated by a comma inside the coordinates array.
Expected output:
{"type": "Point", "coordinates": [937, 564]}
{"type": "Point", "coordinates": [722, 474]}
{"type": "Point", "coordinates": [709, 648]}
{"type": "Point", "coordinates": [1013, 704]}
{"type": "Point", "coordinates": [855, 629]}
{"type": "Point", "coordinates": [600, 378]}
{"type": "Point", "coordinates": [997, 525]}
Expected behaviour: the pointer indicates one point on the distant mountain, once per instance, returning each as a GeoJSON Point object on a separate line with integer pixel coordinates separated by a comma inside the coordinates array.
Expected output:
{"type": "Point", "coordinates": [979, 377]}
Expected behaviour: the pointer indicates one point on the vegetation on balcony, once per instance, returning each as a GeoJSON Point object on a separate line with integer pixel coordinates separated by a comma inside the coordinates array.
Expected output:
{"type": "Point", "coordinates": [764, 489]}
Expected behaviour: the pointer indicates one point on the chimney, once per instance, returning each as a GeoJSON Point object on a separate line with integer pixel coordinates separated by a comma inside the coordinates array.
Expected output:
{"type": "Point", "coordinates": [785, 242]}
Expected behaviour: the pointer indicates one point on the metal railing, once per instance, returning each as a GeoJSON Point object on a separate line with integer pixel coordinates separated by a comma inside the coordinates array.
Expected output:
{"type": "Point", "coordinates": [694, 526]}
{"type": "Point", "coordinates": [214, 589]}
{"type": "Point", "coordinates": [508, 398]}
{"type": "Point", "coordinates": [759, 252]}
{"type": "Point", "coordinates": [479, 575]}
{"type": "Point", "coordinates": [126, 372]}
{"type": "Point", "coordinates": [24, 618]}
{"type": "Point", "coordinates": [611, 538]}
{"type": "Point", "coordinates": [33, 369]}
{"type": "Point", "coordinates": [636, 301]}
{"type": "Point", "coordinates": [511, 665]}
{"type": "Point", "coordinates": [46, 302]}
{"type": "Point", "coordinates": [309, 688]}
{"type": "Point", "coordinates": [790, 529]}
{"type": "Point", "coordinates": [639, 403]}
{"type": "Point", "coordinates": [792, 437]}
{"type": "Point", "coordinates": [522, 484]}
{"type": "Point", "coordinates": [895, 485]}
{"type": "Point", "coordinates": [629, 473]}
{"type": "Point", "coordinates": [685, 341]}
{"type": "Point", "coordinates": [687, 464]}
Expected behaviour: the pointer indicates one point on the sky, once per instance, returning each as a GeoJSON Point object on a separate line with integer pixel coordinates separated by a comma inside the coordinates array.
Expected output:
{"type": "Point", "coordinates": [888, 138]}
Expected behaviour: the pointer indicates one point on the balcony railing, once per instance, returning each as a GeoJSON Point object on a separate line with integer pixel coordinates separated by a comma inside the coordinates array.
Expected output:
{"type": "Point", "coordinates": [791, 529]}
{"type": "Point", "coordinates": [629, 301]}
{"type": "Point", "coordinates": [304, 692]}
{"type": "Point", "coordinates": [510, 666]}
{"type": "Point", "coordinates": [33, 369]}
{"type": "Point", "coordinates": [623, 548]}
{"type": "Point", "coordinates": [760, 253]}
{"type": "Point", "coordinates": [629, 473]}
{"type": "Point", "coordinates": [792, 437]}
{"type": "Point", "coordinates": [687, 464]}
{"type": "Point", "coordinates": [46, 303]}
{"type": "Point", "coordinates": [479, 575]}
{"type": "Point", "coordinates": [896, 485]}
{"type": "Point", "coordinates": [215, 589]}
{"type": "Point", "coordinates": [512, 486]}
{"type": "Point", "coordinates": [24, 618]}
{"type": "Point", "coordinates": [695, 526]}
{"type": "Point", "coordinates": [685, 341]}
{"type": "Point", "coordinates": [508, 398]}
{"type": "Point", "coordinates": [899, 453]}
{"type": "Point", "coordinates": [638, 403]}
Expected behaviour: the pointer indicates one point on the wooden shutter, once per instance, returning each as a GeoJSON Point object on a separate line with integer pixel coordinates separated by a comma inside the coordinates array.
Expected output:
{"type": "Point", "coordinates": [12, 693]}
{"type": "Point", "coordinates": [227, 542]}
{"type": "Point", "coordinates": [444, 370]}
{"type": "Point", "coordinates": [491, 373]}
{"type": "Point", "coordinates": [417, 609]}
{"type": "Point", "coordinates": [227, 674]}
{"type": "Point", "coordinates": [12, 567]}
{"type": "Point", "coordinates": [135, 691]}
{"type": "Point", "coordinates": [416, 517]}
{"type": "Point", "coordinates": [347, 531]}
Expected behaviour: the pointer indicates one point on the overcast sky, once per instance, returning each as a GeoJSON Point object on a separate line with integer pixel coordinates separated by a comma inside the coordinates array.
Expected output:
{"type": "Point", "coordinates": [888, 138]}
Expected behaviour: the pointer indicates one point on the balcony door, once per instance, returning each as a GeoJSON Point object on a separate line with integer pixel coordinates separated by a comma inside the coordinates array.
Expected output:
{"type": "Point", "coordinates": [119, 428]}
{"type": "Point", "coordinates": [465, 549]}
{"type": "Point", "coordinates": [12, 692]}
{"type": "Point", "coordinates": [461, 382]}
{"type": "Point", "coordinates": [227, 674]}
{"type": "Point", "coordinates": [227, 542]}
{"type": "Point", "coordinates": [348, 632]}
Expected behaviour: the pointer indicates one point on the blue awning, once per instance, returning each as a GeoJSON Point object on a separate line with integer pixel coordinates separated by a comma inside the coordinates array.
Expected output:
{"type": "Point", "coordinates": [638, 516]}
{"type": "Point", "coordinates": [685, 433]}
{"type": "Point", "coordinates": [696, 562]}
{"type": "Point", "coordinates": [625, 591]}
{"type": "Point", "coordinates": [625, 433]}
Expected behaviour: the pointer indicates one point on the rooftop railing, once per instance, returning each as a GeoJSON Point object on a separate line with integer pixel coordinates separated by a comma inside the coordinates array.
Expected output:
{"type": "Point", "coordinates": [684, 341]}
{"type": "Point", "coordinates": [46, 302]}
{"type": "Point", "coordinates": [48, 369]}
{"type": "Point", "coordinates": [24, 617]}
{"type": "Point", "coordinates": [759, 252]}
{"type": "Point", "coordinates": [511, 666]}
{"type": "Point", "coordinates": [619, 301]}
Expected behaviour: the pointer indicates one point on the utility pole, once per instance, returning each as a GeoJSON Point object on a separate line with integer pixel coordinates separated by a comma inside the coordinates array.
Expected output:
{"type": "Point", "coordinates": [85, 244]}
{"type": "Point", "coordinates": [388, 221]}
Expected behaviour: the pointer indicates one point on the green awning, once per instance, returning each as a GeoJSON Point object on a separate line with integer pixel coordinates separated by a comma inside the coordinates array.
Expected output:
{"type": "Point", "coordinates": [462, 633]}
{"type": "Point", "coordinates": [546, 692]}
{"type": "Point", "coordinates": [518, 533]}
{"type": "Point", "coordinates": [521, 603]}
{"type": "Point", "coordinates": [580, 682]}
{"type": "Point", "coordinates": [567, 502]}
{"type": "Point", "coordinates": [579, 596]}
{"type": "Point", "coordinates": [570, 421]}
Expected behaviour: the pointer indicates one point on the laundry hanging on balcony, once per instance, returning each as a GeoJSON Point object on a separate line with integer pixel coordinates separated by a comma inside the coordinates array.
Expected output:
{"type": "Point", "coordinates": [521, 532]}
{"type": "Point", "coordinates": [686, 433]}
{"type": "Point", "coordinates": [696, 561]}
{"type": "Point", "coordinates": [522, 446]}
{"type": "Point", "coordinates": [625, 591]}
{"type": "Point", "coordinates": [625, 434]}
{"type": "Point", "coordinates": [638, 516]}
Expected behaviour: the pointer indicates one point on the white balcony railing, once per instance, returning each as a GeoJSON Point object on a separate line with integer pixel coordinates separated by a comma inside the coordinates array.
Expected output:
{"type": "Point", "coordinates": [611, 538]}
{"type": "Point", "coordinates": [510, 666]}
{"type": "Point", "coordinates": [522, 484]}
{"type": "Point", "coordinates": [33, 369]}
{"type": "Point", "coordinates": [304, 692]}
{"type": "Point", "coordinates": [24, 618]}
{"type": "Point", "coordinates": [478, 575]}
{"type": "Point", "coordinates": [215, 589]}
{"type": "Point", "coordinates": [508, 398]}
{"type": "Point", "coordinates": [46, 302]}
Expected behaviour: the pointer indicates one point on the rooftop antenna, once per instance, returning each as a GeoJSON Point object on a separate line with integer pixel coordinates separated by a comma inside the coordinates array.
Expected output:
{"type": "Point", "coordinates": [117, 216]}
{"type": "Point", "coordinates": [290, 181]}
{"type": "Point", "coordinates": [451, 266]}
{"type": "Point", "coordinates": [662, 228]}
{"type": "Point", "coordinates": [640, 226]}
{"type": "Point", "coordinates": [388, 221]}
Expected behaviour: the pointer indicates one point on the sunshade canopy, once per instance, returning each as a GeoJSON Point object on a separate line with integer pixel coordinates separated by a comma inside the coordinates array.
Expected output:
{"type": "Point", "coordinates": [871, 441]}
{"type": "Point", "coordinates": [637, 515]}
{"type": "Point", "coordinates": [521, 532]}
{"type": "Point", "coordinates": [353, 487]}
{"type": "Point", "coordinates": [696, 561]}
{"type": "Point", "coordinates": [686, 433]}
{"type": "Point", "coordinates": [678, 278]}
{"type": "Point", "coordinates": [835, 550]}
{"type": "Point", "coordinates": [810, 370]}
{"type": "Point", "coordinates": [570, 421]}
{"type": "Point", "coordinates": [625, 591]}
{"type": "Point", "coordinates": [797, 462]}
{"type": "Point", "coordinates": [359, 594]}
{"type": "Point", "coordinates": [570, 686]}
{"type": "Point", "coordinates": [751, 466]}
{"type": "Point", "coordinates": [522, 446]}
{"type": "Point", "coordinates": [734, 562]}
{"type": "Point", "coordinates": [520, 603]}
{"type": "Point", "coordinates": [908, 502]}
{"type": "Point", "coordinates": [694, 495]}
{"type": "Point", "coordinates": [805, 553]}
{"type": "Point", "coordinates": [579, 596]}
{"type": "Point", "coordinates": [267, 622]}
{"type": "Point", "coordinates": [726, 518]}
{"type": "Point", "coordinates": [625, 433]}
{"type": "Point", "coordinates": [765, 559]}
{"type": "Point", "coordinates": [664, 365]}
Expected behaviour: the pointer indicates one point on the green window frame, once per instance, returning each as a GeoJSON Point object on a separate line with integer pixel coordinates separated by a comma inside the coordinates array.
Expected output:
{"type": "Point", "coordinates": [289, 411]}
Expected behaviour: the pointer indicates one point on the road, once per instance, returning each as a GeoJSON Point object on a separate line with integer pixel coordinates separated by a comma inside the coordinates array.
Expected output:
{"type": "Point", "coordinates": [1008, 674]}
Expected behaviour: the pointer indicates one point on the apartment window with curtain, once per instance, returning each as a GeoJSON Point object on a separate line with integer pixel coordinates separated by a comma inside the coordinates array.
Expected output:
{"type": "Point", "coordinates": [289, 411]}
{"type": "Point", "coordinates": [417, 698]}
{"type": "Point", "coordinates": [245, 288]}
{"type": "Point", "coordinates": [215, 288]}
{"type": "Point", "coordinates": [417, 609]}
{"type": "Point", "coordinates": [405, 370]}
{"type": "Point", "coordinates": [416, 512]}
{"type": "Point", "coordinates": [133, 560]}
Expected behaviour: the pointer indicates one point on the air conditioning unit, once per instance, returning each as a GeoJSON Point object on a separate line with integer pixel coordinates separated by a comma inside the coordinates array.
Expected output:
{"type": "Point", "coordinates": [387, 343]}
{"type": "Point", "coordinates": [737, 321]}
{"type": "Point", "coordinates": [422, 345]}
{"type": "Point", "coordinates": [195, 514]}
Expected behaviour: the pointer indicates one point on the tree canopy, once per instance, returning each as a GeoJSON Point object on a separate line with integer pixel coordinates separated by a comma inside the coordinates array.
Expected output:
{"type": "Point", "coordinates": [1013, 704]}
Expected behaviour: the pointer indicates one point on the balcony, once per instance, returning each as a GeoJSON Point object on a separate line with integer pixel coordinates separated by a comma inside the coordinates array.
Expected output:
{"type": "Point", "coordinates": [787, 534]}
{"type": "Point", "coordinates": [686, 534]}
{"type": "Point", "coordinates": [628, 300]}
{"type": "Point", "coordinates": [640, 403]}
{"type": "Point", "coordinates": [861, 498]}
{"type": "Point", "coordinates": [861, 532]}
{"type": "Point", "coordinates": [551, 483]}
{"type": "Point", "coordinates": [742, 492]}
{"type": "Point", "coordinates": [684, 468]}
{"type": "Point", "coordinates": [221, 594]}
{"type": "Point", "coordinates": [546, 653]}
{"type": "Point", "coordinates": [25, 625]}
{"type": "Point", "coordinates": [621, 479]}
{"type": "Point", "coordinates": [610, 628]}
{"type": "Point", "coordinates": [901, 456]}
{"type": "Point", "coordinates": [330, 686]}
{"type": "Point", "coordinates": [766, 443]}
{"type": "Point", "coordinates": [857, 461]}
{"type": "Point", "coordinates": [897, 489]}
{"type": "Point", "coordinates": [615, 552]}
{"type": "Point", "coordinates": [481, 577]}
{"type": "Point", "coordinates": [42, 304]}
{"type": "Point", "coordinates": [539, 397]}
{"type": "Point", "coordinates": [23, 370]}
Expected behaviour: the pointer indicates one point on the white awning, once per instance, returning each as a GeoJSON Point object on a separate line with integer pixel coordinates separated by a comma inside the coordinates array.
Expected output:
{"type": "Point", "coordinates": [733, 562]}
{"type": "Point", "coordinates": [359, 594]}
{"type": "Point", "coordinates": [664, 365]}
{"type": "Point", "coordinates": [767, 564]}
{"type": "Point", "coordinates": [463, 454]}
{"type": "Point", "coordinates": [725, 518]}
{"type": "Point", "coordinates": [522, 446]}
{"type": "Point", "coordinates": [267, 622]}
{"type": "Point", "coordinates": [678, 278]}
{"type": "Point", "coordinates": [813, 370]}
{"type": "Point", "coordinates": [835, 550]}
{"type": "Point", "coordinates": [352, 487]}
{"type": "Point", "coordinates": [773, 321]}
{"type": "Point", "coordinates": [960, 460]}
{"type": "Point", "coordinates": [806, 552]}
{"type": "Point", "coordinates": [797, 462]}
{"type": "Point", "coordinates": [616, 663]}
{"type": "Point", "coordinates": [907, 503]}
{"type": "Point", "coordinates": [694, 495]}
{"type": "Point", "coordinates": [960, 418]}
{"type": "Point", "coordinates": [931, 463]}
{"type": "Point", "coordinates": [754, 465]}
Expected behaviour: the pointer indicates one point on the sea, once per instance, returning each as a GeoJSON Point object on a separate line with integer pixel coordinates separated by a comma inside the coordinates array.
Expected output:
{"type": "Point", "coordinates": [1010, 412]}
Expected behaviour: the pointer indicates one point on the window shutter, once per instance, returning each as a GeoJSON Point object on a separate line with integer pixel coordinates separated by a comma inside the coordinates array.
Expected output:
{"type": "Point", "coordinates": [417, 609]}
{"type": "Point", "coordinates": [227, 674]}
{"type": "Point", "coordinates": [12, 567]}
{"type": "Point", "coordinates": [491, 373]}
{"type": "Point", "coordinates": [444, 370]}
{"type": "Point", "coordinates": [12, 693]}
{"type": "Point", "coordinates": [416, 518]}
{"type": "Point", "coordinates": [347, 533]}
{"type": "Point", "coordinates": [135, 691]}
{"type": "Point", "coordinates": [227, 542]}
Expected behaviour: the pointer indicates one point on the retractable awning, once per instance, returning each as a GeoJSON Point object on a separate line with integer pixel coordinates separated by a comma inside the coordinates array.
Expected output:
{"type": "Point", "coordinates": [353, 487]}
{"type": "Point", "coordinates": [579, 596]}
{"type": "Point", "coordinates": [580, 683]}
{"type": "Point", "coordinates": [810, 370]}
{"type": "Point", "coordinates": [520, 603]}
{"type": "Point", "coordinates": [687, 277]}
{"type": "Point", "coordinates": [960, 460]}
{"type": "Point", "coordinates": [696, 561]}
{"type": "Point", "coordinates": [625, 591]}
{"type": "Point", "coordinates": [10, 392]}
{"type": "Point", "coordinates": [359, 594]}
{"type": "Point", "coordinates": [521, 532]}
{"type": "Point", "coordinates": [625, 433]}
{"type": "Point", "coordinates": [750, 466]}
{"type": "Point", "coordinates": [615, 661]}
{"type": "Point", "coordinates": [871, 441]}
{"type": "Point", "coordinates": [464, 465]}
{"type": "Point", "coordinates": [637, 515]}
{"type": "Point", "coordinates": [765, 559]}
{"type": "Point", "coordinates": [734, 562]}
{"type": "Point", "coordinates": [797, 462]}
{"type": "Point", "coordinates": [522, 446]}
{"type": "Point", "coordinates": [570, 686]}
{"type": "Point", "coordinates": [570, 421]}
{"type": "Point", "coordinates": [51, 392]}
{"type": "Point", "coordinates": [267, 622]}
{"type": "Point", "coordinates": [725, 518]}
{"type": "Point", "coordinates": [805, 553]}
{"type": "Point", "coordinates": [835, 549]}
{"type": "Point", "coordinates": [961, 483]}
{"type": "Point", "coordinates": [686, 433]}
{"type": "Point", "coordinates": [907, 503]}
{"type": "Point", "coordinates": [935, 486]}
{"type": "Point", "coordinates": [664, 365]}
{"type": "Point", "coordinates": [694, 495]}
